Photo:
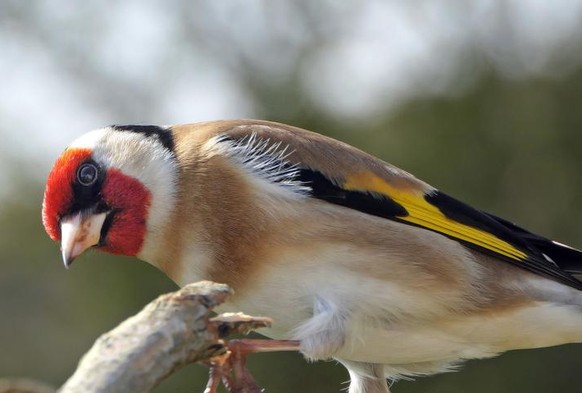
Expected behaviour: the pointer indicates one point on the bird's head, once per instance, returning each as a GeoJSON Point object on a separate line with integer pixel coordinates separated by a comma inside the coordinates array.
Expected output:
{"type": "Point", "coordinates": [110, 189]}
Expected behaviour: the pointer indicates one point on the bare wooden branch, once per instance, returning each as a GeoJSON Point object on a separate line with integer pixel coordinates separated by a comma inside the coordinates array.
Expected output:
{"type": "Point", "coordinates": [169, 333]}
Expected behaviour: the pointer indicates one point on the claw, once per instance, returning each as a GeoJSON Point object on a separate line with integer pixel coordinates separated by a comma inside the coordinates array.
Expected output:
{"type": "Point", "coordinates": [231, 367]}
{"type": "Point", "coordinates": [216, 372]}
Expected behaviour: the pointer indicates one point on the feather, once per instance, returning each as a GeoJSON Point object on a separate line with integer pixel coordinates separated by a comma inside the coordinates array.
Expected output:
{"type": "Point", "coordinates": [310, 164]}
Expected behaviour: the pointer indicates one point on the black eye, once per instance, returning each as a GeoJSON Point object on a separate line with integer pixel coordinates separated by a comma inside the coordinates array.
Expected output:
{"type": "Point", "coordinates": [87, 174]}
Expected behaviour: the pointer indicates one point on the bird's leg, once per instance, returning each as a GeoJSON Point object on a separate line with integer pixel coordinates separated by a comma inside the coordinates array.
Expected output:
{"type": "Point", "coordinates": [215, 373]}
{"type": "Point", "coordinates": [242, 379]}
{"type": "Point", "coordinates": [247, 346]}
{"type": "Point", "coordinates": [366, 377]}
{"type": "Point", "coordinates": [232, 369]}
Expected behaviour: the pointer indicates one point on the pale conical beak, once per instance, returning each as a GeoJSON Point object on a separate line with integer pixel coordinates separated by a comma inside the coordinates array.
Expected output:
{"type": "Point", "coordinates": [78, 233]}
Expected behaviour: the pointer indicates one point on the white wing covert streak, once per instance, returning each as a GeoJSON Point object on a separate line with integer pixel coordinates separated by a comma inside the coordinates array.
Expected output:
{"type": "Point", "coordinates": [270, 159]}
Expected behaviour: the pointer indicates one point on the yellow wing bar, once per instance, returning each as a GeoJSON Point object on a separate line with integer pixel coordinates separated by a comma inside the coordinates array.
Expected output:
{"type": "Point", "coordinates": [424, 214]}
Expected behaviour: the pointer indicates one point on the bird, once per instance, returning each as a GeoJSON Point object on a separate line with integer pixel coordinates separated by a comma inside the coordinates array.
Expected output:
{"type": "Point", "coordinates": [353, 258]}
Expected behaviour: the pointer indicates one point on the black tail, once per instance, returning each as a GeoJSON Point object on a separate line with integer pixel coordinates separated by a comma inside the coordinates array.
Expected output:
{"type": "Point", "coordinates": [565, 257]}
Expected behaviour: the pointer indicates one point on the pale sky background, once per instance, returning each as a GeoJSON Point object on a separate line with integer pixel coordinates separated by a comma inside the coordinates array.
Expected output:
{"type": "Point", "coordinates": [70, 66]}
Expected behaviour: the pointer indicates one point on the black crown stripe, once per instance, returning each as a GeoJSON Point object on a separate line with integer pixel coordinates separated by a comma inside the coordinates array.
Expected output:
{"type": "Point", "coordinates": [163, 135]}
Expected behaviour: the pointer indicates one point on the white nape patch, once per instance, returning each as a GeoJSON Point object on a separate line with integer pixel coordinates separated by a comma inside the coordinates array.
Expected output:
{"type": "Point", "coordinates": [143, 158]}
{"type": "Point", "coordinates": [263, 159]}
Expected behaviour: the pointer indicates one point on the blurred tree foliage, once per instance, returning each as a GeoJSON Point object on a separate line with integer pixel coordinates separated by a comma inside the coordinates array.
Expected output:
{"type": "Point", "coordinates": [511, 147]}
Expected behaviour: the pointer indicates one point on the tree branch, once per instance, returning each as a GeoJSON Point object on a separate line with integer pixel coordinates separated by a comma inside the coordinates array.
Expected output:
{"type": "Point", "coordinates": [169, 333]}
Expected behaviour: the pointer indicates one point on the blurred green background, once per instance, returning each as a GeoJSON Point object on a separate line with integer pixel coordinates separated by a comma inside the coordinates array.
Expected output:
{"type": "Point", "coordinates": [481, 99]}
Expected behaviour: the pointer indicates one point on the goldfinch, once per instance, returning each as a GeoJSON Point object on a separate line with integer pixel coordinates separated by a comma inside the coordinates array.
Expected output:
{"type": "Point", "coordinates": [354, 258]}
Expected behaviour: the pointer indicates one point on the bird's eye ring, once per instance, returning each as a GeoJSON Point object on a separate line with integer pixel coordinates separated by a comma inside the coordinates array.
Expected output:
{"type": "Point", "coordinates": [87, 174]}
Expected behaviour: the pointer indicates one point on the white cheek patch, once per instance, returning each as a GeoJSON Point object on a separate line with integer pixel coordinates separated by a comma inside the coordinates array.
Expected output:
{"type": "Point", "coordinates": [143, 158]}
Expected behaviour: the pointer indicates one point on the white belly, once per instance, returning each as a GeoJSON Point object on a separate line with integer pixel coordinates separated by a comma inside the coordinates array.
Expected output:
{"type": "Point", "coordinates": [386, 325]}
{"type": "Point", "coordinates": [375, 319]}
